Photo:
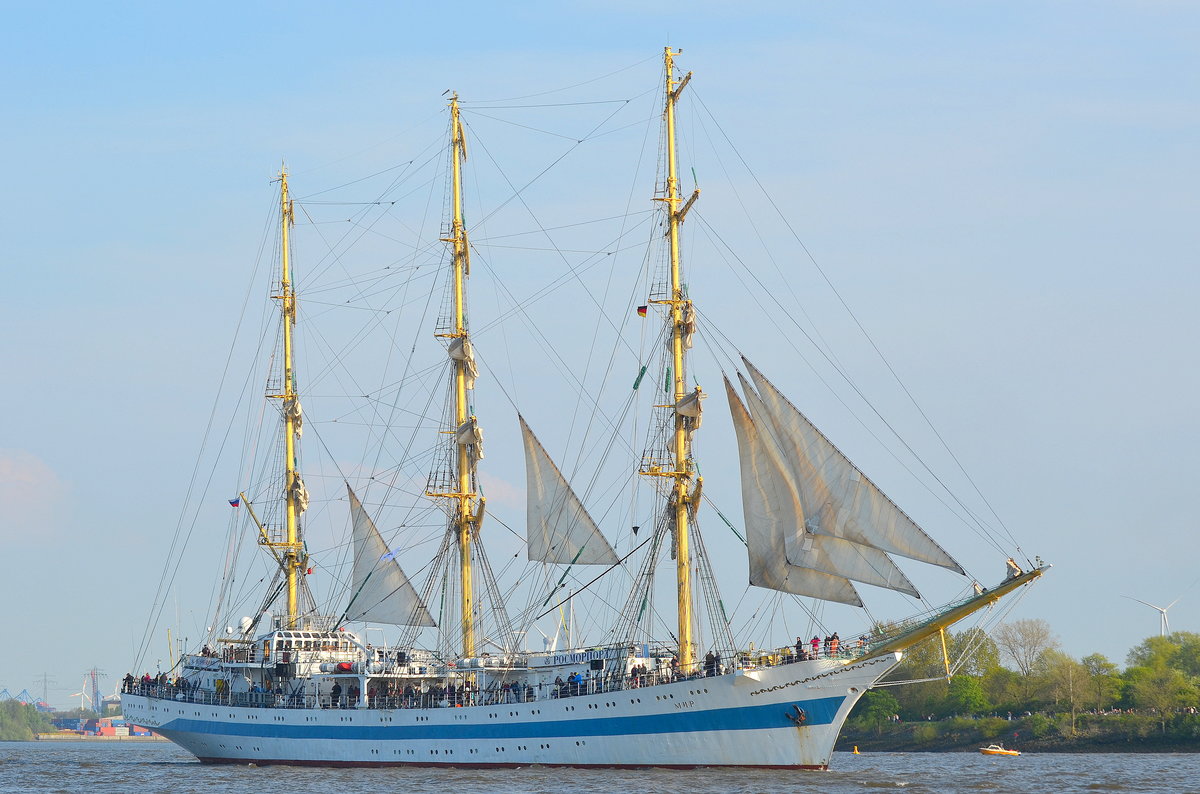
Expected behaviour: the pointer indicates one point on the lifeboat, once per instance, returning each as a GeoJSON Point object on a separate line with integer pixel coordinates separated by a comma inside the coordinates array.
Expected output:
{"type": "Point", "coordinates": [995, 749]}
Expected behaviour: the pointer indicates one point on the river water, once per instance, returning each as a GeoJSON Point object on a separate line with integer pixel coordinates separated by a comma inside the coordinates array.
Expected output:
{"type": "Point", "coordinates": [160, 766]}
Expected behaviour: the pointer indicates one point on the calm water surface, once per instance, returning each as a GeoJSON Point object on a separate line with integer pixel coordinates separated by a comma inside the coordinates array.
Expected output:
{"type": "Point", "coordinates": [160, 766]}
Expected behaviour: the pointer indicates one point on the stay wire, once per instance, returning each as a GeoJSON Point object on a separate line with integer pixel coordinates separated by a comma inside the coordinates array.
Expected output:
{"type": "Point", "coordinates": [981, 530]}
{"type": "Point", "coordinates": [156, 614]}
{"type": "Point", "coordinates": [866, 335]}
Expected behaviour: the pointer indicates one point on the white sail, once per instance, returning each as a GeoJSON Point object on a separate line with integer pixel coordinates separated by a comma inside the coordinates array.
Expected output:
{"type": "Point", "coordinates": [772, 512]}
{"type": "Point", "coordinates": [559, 527]}
{"type": "Point", "coordinates": [808, 549]}
{"type": "Point", "coordinates": [379, 590]}
{"type": "Point", "coordinates": [840, 500]}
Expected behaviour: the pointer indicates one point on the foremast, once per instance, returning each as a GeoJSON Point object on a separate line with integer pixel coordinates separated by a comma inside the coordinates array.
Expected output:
{"type": "Point", "coordinates": [289, 552]}
{"type": "Point", "coordinates": [684, 497]}
{"type": "Point", "coordinates": [468, 505]}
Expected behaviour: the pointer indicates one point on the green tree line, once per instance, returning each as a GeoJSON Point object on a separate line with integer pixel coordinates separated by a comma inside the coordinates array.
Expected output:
{"type": "Point", "coordinates": [1020, 671]}
{"type": "Point", "coordinates": [19, 722]}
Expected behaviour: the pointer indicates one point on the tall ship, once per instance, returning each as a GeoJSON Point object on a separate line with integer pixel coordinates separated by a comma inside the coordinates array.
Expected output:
{"type": "Point", "coordinates": [640, 662]}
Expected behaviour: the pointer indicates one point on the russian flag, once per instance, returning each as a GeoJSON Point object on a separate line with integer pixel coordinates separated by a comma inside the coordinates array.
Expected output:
{"type": "Point", "coordinates": [235, 502]}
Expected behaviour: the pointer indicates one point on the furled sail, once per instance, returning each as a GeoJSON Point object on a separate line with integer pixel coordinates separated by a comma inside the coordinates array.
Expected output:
{"type": "Point", "coordinates": [470, 435]}
{"type": "Point", "coordinates": [689, 325]}
{"type": "Point", "coordinates": [772, 512]}
{"type": "Point", "coordinates": [691, 407]}
{"type": "Point", "coordinates": [806, 548]}
{"type": "Point", "coordinates": [559, 527]}
{"type": "Point", "coordinates": [292, 410]}
{"type": "Point", "coordinates": [839, 499]}
{"type": "Point", "coordinates": [379, 590]}
{"type": "Point", "coordinates": [298, 491]}
{"type": "Point", "coordinates": [460, 349]}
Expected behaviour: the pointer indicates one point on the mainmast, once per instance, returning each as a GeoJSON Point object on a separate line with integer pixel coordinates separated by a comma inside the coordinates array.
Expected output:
{"type": "Point", "coordinates": [683, 496]}
{"type": "Point", "coordinates": [294, 494]}
{"type": "Point", "coordinates": [468, 508]}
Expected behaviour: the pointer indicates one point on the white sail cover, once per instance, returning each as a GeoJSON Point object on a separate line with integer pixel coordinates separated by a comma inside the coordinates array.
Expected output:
{"type": "Point", "coordinates": [460, 349]}
{"type": "Point", "coordinates": [808, 549]}
{"type": "Point", "coordinates": [772, 512]}
{"type": "Point", "coordinates": [379, 590]}
{"type": "Point", "coordinates": [839, 499]}
{"type": "Point", "coordinates": [559, 527]}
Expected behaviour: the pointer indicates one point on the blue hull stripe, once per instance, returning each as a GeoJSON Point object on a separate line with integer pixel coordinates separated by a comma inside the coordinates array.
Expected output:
{"type": "Point", "coordinates": [819, 711]}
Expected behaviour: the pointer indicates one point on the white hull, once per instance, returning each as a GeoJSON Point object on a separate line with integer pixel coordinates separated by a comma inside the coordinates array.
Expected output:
{"type": "Point", "coordinates": [740, 719]}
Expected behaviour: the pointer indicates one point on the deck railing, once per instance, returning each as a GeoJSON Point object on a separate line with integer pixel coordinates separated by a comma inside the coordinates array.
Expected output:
{"type": "Point", "coordinates": [390, 694]}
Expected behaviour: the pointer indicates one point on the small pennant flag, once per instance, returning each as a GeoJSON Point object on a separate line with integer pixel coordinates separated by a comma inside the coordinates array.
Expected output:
{"type": "Point", "coordinates": [235, 502]}
{"type": "Point", "coordinates": [642, 311]}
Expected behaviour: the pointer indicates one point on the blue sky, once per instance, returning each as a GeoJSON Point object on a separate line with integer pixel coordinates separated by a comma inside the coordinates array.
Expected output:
{"type": "Point", "coordinates": [1005, 193]}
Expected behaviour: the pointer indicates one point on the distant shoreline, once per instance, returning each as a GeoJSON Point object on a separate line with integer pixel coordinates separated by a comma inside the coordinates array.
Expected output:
{"type": "Point", "coordinates": [76, 737]}
{"type": "Point", "coordinates": [962, 736]}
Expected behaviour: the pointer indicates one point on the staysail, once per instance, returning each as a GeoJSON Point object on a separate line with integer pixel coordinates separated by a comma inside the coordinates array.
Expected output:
{"type": "Point", "coordinates": [840, 500]}
{"type": "Point", "coordinates": [772, 511]}
{"type": "Point", "coordinates": [379, 590]}
{"type": "Point", "coordinates": [559, 527]}
{"type": "Point", "coordinates": [806, 548]}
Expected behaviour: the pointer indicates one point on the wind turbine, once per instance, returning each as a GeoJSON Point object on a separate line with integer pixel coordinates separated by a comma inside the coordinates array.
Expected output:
{"type": "Point", "coordinates": [1164, 628]}
{"type": "Point", "coordinates": [82, 694]}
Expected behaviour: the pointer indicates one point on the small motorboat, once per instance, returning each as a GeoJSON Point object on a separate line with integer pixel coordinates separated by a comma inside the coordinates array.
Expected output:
{"type": "Point", "coordinates": [995, 749]}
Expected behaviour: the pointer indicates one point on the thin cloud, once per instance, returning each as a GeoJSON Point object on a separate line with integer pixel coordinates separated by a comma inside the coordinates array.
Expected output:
{"type": "Point", "coordinates": [31, 498]}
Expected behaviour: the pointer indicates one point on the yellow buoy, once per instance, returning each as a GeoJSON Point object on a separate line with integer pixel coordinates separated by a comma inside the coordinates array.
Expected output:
{"type": "Point", "coordinates": [856, 750]}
